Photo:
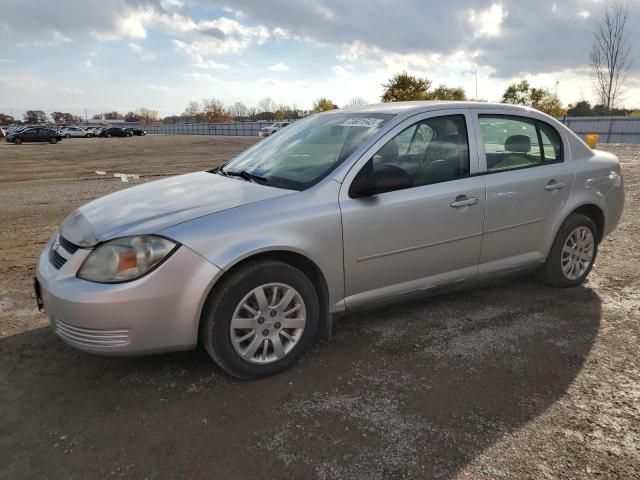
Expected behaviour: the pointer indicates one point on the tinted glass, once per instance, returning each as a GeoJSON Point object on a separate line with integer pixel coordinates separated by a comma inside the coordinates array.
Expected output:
{"type": "Point", "coordinates": [307, 150]}
{"type": "Point", "coordinates": [514, 142]}
{"type": "Point", "coordinates": [430, 151]}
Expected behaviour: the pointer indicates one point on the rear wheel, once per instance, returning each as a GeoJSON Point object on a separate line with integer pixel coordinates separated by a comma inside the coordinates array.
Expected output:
{"type": "Point", "coordinates": [67, 136]}
{"type": "Point", "coordinates": [260, 319]}
{"type": "Point", "coordinates": [572, 254]}
{"type": "Point", "coordinates": [108, 135]}
{"type": "Point", "coordinates": [53, 140]}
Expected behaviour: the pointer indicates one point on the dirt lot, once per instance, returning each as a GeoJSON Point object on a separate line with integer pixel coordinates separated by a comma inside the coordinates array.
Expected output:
{"type": "Point", "coordinates": [513, 380]}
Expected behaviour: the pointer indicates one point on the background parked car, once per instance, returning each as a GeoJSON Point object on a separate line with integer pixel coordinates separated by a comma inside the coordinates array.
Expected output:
{"type": "Point", "coordinates": [115, 132]}
{"type": "Point", "coordinates": [136, 131]}
{"type": "Point", "coordinates": [76, 132]}
{"type": "Point", "coordinates": [271, 129]}
{"type": "Point", "coordinates": [34, 134]}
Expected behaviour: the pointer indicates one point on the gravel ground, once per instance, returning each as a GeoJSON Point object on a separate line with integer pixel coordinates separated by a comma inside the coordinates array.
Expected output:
{"type": "Point", "coordinates": [512, 380]}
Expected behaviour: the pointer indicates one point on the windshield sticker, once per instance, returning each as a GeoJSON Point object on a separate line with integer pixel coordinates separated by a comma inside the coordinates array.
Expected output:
{"type": "Point", "coordinates": [362, 122]}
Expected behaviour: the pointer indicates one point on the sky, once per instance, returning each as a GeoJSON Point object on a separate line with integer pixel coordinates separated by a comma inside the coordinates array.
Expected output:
{"type": "Point", "coordinates": [98, 55]}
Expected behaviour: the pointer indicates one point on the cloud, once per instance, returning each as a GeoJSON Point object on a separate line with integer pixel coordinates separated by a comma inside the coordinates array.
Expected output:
{"type": "Point", "coordinates": [512, 37]}
{"type": "Point", "coordinates": [279, 67]}
{"type": "Point", "coordinates": [202, 76]}
{"type": "Point", "coordinates": [141, 52]}
{"type": "Point", "coordinates": [212, 65]}
{"type": "Point", "coordinates": [161, 88]}
{"type": "Point", "coordinates": [89, 61]}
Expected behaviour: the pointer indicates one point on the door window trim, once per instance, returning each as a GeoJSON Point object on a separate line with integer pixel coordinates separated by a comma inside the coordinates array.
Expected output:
{"type": "Point", "coordinates": [474, 153]}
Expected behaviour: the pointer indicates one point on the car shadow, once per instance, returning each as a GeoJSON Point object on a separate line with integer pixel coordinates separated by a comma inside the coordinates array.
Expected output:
{"type": "Point", "coordinates": [415, 390]}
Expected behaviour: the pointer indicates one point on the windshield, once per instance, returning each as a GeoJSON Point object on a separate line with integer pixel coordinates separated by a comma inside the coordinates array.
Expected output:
{"type": "Point", "coordinates": [303, 153]}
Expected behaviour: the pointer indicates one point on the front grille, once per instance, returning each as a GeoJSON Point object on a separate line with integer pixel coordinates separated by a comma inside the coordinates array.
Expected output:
{"type": "Point", "coordinates": [90, 337]}
{"type": "Point", "coordinates": [67, 245]}
{"type": "Point", "coordinates": [57, 258]}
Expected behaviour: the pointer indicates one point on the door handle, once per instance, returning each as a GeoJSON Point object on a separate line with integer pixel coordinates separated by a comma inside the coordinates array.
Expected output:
{"type": "Point", "coordinates": [464, 201]}
{"type": "Point", "coordinates": [553, 185]}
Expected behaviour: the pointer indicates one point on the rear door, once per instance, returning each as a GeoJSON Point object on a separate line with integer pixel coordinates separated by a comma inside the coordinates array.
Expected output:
{"type": "Point", "coordinates": [419, 237]}
{"type": "Point", "coordinates": [528, 180]}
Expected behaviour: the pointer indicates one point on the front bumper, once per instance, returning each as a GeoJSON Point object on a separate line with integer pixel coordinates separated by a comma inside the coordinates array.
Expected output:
{"type": "Point", "coordinates": [159, 312]}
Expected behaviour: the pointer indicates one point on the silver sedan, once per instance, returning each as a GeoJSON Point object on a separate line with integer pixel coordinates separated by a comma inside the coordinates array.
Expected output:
{"type": "Point", "coordinates": [342, 210]}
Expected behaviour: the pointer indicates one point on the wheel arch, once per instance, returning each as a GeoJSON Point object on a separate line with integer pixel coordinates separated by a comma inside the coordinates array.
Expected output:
{"type": "Point", "coordinates": [595, 213]}
{"type": "Point", "coordinates": [296, 259]}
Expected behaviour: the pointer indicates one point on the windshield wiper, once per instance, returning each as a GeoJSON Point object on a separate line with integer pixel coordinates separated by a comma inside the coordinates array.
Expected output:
{"type": "Point", "coordinates": [245, 175]}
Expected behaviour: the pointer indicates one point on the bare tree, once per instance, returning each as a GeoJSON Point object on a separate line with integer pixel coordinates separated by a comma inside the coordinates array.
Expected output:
{"type": "Point", "coordinates": [611, 54]}
{"type": "Point", "coordinates": [267, 105]}
{"type": "Point", "coordinates": [356, 102]}
{"type": "Point", "coordinates": [239, 109]}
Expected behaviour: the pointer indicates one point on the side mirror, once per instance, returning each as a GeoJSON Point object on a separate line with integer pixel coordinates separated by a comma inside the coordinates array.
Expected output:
{"type": "Point", "coordinates": [385, 179]}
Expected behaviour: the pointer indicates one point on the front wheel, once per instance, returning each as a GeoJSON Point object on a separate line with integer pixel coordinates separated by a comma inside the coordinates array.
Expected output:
{"type": "Point", "coordinates": [17, 141]}
{"type": "Point", "coordinates": [67, 136]}
{"type": "Point", "coordinates": [108, 135]}
{"type": "Point", "coordinates": [572, 254]}
{"type": "Point", "coordinates": [260, 319]}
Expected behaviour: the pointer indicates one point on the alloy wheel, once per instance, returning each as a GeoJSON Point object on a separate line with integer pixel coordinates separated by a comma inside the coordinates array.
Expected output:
{"type": "Point", "coordinates": [267, 323]}
{"type": "Point", "coordinates": [577, 253]}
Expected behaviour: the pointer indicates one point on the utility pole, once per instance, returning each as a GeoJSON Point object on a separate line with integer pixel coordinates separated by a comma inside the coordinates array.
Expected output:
{"type": "Point", "coordinates": [475, 71]}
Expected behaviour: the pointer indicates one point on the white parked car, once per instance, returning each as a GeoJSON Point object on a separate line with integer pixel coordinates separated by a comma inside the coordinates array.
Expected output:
{"type": "Point", "coordinates": [77, 132]}
{"type": "Point", "coordinates": [271, 129]}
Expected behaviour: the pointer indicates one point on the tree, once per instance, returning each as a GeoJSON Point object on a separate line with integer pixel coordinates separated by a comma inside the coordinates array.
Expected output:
{"type": "Point", "coordinates": [517, 94]}
{"type": "Point", "coordinates": [215, 111]}
{"type": "Point", "coordinates": [6, 119]}
{"type": "Point", "coordinates": [403, 87]}
{"type": "Point", "coordinates": [98, 116]}
{"type": "Point", "coordinates": [579, 109]}
{"type": "Point", "coordinates": [147, 115]}
{"type": "Point", "coordinates": [239, 110]}
{"type": "Point", "coordinates": [192, 112]}
{"type": "Point", "coordinates": [356, 102]}
{"type": "Point", "coordinates": [447, 93]}
{"type": "Point", "coordinates": [323, 104]}
{"type": "Point", "coordinates": [131, 117]}
{"type": "Point", "coordinates": [267, 105]}
{"type": "Point", "coordinates": [35, 116]}
{"type": "Point", "coordinates": [113, 116]}
{"type": "Point", "coordinates": [60, 117]}
{"type": "Point", "coordinates": [539, 98]}
{"type": "Point", "coordinates": [611, 53]}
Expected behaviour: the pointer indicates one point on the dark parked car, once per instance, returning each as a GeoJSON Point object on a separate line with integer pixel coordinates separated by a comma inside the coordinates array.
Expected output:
{"type": "Point", "coordinates": [115, 132]}
{"type": "Point", "coordinates": [136, 131]}
{"type": "Point", "coordinates": [34, 134]}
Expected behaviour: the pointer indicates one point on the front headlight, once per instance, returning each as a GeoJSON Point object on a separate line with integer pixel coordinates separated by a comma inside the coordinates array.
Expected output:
{"type": "Point", "coordinates": [125, 258]}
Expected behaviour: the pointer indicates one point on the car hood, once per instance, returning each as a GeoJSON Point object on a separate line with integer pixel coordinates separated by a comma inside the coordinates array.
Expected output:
{"type": "Point", "coordinates": [153, 206]}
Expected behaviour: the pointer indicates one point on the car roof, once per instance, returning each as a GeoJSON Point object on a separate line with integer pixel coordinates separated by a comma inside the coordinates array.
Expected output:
{"type": "Point", "coordinates": [411, 108]}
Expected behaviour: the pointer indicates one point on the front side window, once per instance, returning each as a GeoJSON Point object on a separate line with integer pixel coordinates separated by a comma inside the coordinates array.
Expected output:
{"type": "Point", "coordinates": [307, 150]}
{"type": "Point", "coordinates": [517, 142]}
{"type": "Point", "coordinates": [431, 151]}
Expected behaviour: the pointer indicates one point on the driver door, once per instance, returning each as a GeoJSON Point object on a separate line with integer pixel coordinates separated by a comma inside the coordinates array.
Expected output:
{"type": "Point", "coordinates": [425, 235]}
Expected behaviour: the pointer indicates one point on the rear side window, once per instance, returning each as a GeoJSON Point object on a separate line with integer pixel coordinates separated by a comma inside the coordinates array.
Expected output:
{"type": "Point", "coordinates": [517, 142]}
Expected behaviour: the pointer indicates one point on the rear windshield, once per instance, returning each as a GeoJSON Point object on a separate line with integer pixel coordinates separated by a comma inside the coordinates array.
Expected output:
{"type": "Point", "coordinates": [306, 151]}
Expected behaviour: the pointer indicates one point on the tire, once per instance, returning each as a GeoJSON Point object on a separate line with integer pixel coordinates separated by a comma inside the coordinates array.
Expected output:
{"type": "Point", "coordinates": [86, 136]}
{"type": "Point", "coordinates": [17, 141]}
{"type": "Point", "coordinates": [53, 140]}
{"type": "Point", "coordinates": [108, 135]}
{"type": "Point", "coordinates": [554, 272]}
{"type": "Point", "coordinates": [67, 136]}
{"type": "Point", "coordinates": [225, 302]}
